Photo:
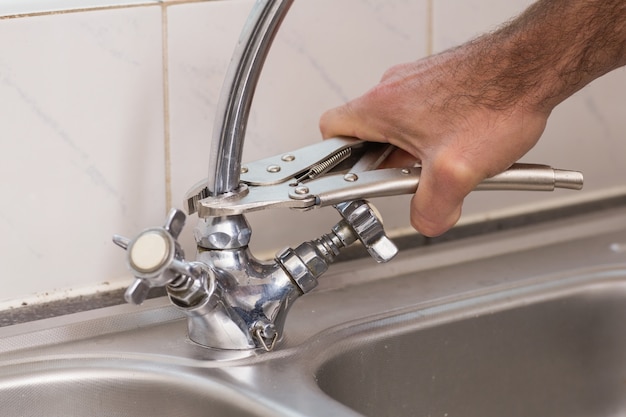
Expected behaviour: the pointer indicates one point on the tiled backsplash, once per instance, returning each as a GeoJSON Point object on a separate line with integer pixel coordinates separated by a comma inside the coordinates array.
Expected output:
{"type": "Point", "coordinates": [107, 117]}
{"type": "Point", "coordinates": [81, 110]}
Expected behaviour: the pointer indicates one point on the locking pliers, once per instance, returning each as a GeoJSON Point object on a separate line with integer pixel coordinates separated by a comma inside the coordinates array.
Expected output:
{"type": "Point", "coordinates": [343, 169]}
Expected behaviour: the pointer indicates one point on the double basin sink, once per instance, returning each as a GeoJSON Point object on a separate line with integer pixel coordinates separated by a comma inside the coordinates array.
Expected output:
{"type": "Point", "coordinates": [526, 322]}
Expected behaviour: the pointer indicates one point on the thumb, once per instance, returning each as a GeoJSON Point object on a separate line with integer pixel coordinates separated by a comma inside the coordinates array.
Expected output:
{"type": "Point", "coordinates": [340, 121]}
{"type": "Point", "coordinates": [437, 203]}
{"type": "Point", "coordinates": [348, 120]}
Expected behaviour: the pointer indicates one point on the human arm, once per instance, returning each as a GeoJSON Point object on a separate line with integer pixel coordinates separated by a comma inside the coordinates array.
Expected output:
{"type": "Point", "coordinates": [470, 112]}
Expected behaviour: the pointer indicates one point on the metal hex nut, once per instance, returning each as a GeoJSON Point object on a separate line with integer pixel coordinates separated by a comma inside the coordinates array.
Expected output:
{"type": "Point", "coordinates": [228, 232]}
{"type": "Point", "coordinates": [297, 269]}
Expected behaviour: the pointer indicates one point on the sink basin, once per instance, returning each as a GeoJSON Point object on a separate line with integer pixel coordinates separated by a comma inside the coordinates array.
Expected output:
{"type": "Point", "coordinates": [555, 348]}
{"type": "Point", "coordinates": [115, 387]}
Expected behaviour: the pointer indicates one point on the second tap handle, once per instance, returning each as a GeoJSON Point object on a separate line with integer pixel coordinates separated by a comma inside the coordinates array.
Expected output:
{"type": "Point", "coordinates": [367, 226]}
{"type": "Point", "coordinates": [137, 292]}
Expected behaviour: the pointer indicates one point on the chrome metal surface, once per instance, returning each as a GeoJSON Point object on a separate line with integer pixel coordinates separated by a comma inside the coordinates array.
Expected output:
{"type": "Point", "coordinates": [223, 233]}
{"type": "Point", "coordinates": [236, 96]}
{"type": "Point", "coordinates": [366, 224]}
{"type": "Point", "coordinates": [231, 299]}
{"type": "Point", "coordinates": [248, 293]}
{"type": "Point", "coordinates": [524, 322]}
{"type": "Point", "coordinates": [154, 257]}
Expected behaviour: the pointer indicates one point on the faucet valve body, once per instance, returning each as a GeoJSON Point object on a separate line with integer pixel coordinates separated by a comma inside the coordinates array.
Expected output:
{"type": "Point", "coordinates": [231, 299]}
{"type": "Point", "coordinates": [311, 259]}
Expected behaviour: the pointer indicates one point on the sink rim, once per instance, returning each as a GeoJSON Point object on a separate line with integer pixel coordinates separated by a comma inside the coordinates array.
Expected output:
{"type": "Point", "coordinates": [345, 337]}
{"type": "Point", "coordinates": [109, 372]}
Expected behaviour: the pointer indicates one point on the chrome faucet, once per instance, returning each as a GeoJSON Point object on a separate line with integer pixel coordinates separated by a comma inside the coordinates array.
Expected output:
{"type": "Point", "coordinates": [232, 299]}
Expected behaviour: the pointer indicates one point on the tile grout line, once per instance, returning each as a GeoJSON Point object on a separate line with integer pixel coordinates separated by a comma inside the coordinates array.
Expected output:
{"type": "Point", "coordinates": [167, 142]}
{"type": "Point", "coordinates": [166, 109]}
{"type": "Point", "coordinates": [167, 139]}
{"type": "Point", "coordinates": [75, 10]}
{"type": "Point", "coordinates": [162, 3]}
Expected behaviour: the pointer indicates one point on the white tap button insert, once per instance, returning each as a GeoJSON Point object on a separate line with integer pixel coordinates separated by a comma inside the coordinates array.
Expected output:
{"type": "Point", "coordinates": [149, 251]}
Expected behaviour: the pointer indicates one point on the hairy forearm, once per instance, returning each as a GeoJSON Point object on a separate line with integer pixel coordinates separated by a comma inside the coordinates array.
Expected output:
{"type": "Point", "coordinates": [552, 50]}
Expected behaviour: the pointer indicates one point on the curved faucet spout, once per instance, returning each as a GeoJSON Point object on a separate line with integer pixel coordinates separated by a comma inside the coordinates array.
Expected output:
{"type": "Point", "coordinates": [237, 93]}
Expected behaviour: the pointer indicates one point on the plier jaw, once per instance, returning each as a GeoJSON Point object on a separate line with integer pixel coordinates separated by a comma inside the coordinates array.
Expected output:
{"type": "Point", "coordinates": [281, 180]}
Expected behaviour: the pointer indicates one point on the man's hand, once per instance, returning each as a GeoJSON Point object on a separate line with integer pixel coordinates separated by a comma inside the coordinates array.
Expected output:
{"type": "Point", "coordinates": [472, 111]}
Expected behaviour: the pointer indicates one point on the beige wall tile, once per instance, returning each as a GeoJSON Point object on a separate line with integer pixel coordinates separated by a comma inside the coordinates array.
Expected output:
{"type": "Point", "coordinates": [81, 106]}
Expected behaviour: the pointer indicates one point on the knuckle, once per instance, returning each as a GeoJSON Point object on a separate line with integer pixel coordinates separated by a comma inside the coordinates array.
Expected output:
{"type": "Point", "coordinates": [455, 173]}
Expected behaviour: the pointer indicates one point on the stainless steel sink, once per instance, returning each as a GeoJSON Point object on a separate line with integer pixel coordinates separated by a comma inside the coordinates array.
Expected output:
{"type": "Point", "coordinates": [116, 362]}
{"type": "Point", "coordinates": [541, 350]}
{"type": "Point", "coordinates": [115, 387]}
{"type": "Point", "coordinates": [528, 322]}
